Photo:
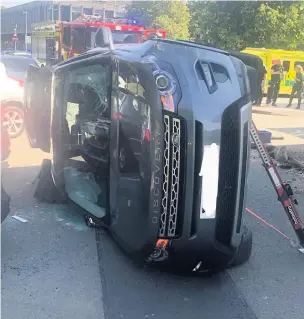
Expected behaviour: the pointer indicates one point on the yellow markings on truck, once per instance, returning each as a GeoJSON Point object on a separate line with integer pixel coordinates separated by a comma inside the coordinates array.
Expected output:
{"type": "Point", "coordinates": [288, 60]}
{"type": "Point", "coordinates": [45, 34]}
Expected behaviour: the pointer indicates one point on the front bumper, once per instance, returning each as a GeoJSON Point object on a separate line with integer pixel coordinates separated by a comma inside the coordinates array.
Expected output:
{"type": "Point", "coordinates": [191, 238]}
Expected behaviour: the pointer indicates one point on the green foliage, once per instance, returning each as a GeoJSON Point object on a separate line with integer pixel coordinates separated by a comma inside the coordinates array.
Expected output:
{"type": "Point", "coordinates": [172, 16]}
{"type": "Point", "coordinates": [280, 24]}
{"type": "Point", "coordinates": [235, 25]}
{"type": "Point", "coordinates": [221, 24]}
{"type": "Point", "coordinates": [175, 21]}
{"type": "Point", "coordinates": [228, 24]}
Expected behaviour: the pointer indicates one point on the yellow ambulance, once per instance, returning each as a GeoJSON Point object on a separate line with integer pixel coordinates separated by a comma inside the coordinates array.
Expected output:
{"type": "Point", "coordinates": [288, 59]}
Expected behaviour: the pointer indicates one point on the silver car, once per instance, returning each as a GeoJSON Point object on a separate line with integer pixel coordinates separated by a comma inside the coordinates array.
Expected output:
{"type": "Point", "coordinates": [12, 72]}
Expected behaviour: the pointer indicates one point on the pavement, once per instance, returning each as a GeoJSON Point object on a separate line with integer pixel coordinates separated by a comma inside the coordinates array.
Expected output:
{"type": "Point", "coordinates": [286, 124]}
{"type": "Point", "coordinates": [53, 266]}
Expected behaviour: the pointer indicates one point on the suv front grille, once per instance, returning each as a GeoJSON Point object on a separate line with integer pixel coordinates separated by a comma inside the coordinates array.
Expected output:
{"type": "Point", "coordinates": [171, 177]}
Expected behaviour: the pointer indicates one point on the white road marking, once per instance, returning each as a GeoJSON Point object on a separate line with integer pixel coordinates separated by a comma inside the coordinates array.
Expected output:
{"type": "Point", "coordinates": [22, 220]}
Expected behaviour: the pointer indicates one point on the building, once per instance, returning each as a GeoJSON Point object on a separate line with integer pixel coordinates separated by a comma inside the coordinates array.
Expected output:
{"type": "Point", "coordinates": [23, 16]}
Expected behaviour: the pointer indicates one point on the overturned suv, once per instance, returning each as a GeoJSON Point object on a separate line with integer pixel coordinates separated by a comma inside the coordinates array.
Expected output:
{"type": "Point", "coordinates": [152, 140]}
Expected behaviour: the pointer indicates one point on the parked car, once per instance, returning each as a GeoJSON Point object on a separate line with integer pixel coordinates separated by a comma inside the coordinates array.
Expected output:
{"type": "Point", "coordinates": [13, 71]}
{"type": "Point", "coordinates": [18, 53]}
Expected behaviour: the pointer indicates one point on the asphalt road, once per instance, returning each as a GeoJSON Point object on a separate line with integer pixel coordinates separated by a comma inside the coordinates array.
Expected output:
{"type": "Point", "coordinates": [55, 267]}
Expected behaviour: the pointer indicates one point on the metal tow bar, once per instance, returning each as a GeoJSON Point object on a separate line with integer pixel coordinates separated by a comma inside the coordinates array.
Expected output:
{"type": "Point", "coordinates": [283, 190]}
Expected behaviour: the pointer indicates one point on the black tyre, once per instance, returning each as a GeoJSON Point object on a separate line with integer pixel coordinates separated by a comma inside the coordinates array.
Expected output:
{"type": "Point", "coordinates": [245, 248]}
{"type": "Point", "coordinates": [13, 120]}
{"type": "Point", "coordinates": [46, 191]}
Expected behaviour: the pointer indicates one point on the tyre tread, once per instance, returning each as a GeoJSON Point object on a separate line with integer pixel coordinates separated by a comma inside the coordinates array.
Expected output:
{"type": "Point", "coordinates": [45, 190]}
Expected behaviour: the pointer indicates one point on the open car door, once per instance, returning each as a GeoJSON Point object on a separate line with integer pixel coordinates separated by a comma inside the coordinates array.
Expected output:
{"type": "Point", "coordinates": [37, 106]}
{"type": "Point", "coordinates": [135, 158]}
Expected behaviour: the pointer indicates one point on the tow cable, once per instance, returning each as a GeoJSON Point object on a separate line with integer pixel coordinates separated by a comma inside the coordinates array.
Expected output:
{"type": "Point", "coordinates": [283, 190]}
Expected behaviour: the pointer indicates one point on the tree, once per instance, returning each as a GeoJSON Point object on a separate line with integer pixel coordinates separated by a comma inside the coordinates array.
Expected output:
{"type": "Point", "coordinates": [147, 11]}
{"type": "Point", "coordinates": [280, 24]}
{"type": "Point", "coordinates": [222, 24]}
{"type": "Point", "coordinates": [172, 16]}
{"type": "Point", "coordinates": [175, 21]}
{"type": "Point", "coordinates": [235, 25]}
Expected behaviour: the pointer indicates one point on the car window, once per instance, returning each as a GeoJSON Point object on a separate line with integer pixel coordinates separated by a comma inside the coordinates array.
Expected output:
{"type": "Point", "coordinates": [299, 63]}
{"type": "Point", "coordinates": [124, 37]}
{"type": "Point", "coordinates": [88, 90]}
{"type": "Point", "coordinates": [286, 66]}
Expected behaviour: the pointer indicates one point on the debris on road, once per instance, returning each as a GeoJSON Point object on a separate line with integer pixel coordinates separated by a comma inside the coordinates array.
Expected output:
{"type": "Point", "coordinates": [286, 160]}
{"type": "Point", "coordinates": [284, 156]}
{"type": "Point", "coordinates": [22, 220]}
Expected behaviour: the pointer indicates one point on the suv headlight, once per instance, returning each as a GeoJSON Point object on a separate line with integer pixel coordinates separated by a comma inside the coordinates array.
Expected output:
{"type": "Point", "coordinates": [166, 82]}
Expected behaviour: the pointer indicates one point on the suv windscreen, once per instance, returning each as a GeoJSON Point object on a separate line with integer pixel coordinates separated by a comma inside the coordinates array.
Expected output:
{"type": "Point", "coordinates": [87, 90]}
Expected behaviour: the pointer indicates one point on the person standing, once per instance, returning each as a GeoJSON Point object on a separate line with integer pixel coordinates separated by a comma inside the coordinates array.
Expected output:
{"type": "Point", "coordinates": [261, 80]}
{"type": "Point", "coordinates": [274, 85]}
{"type": "Point", "coordinates": [297, 87]}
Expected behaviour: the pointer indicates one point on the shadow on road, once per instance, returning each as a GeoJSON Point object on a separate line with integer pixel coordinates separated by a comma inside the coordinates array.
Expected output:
{"type": "Point", "coordinates": [267, 113]}
{"type": "Point", "coordinates": [133, 292]}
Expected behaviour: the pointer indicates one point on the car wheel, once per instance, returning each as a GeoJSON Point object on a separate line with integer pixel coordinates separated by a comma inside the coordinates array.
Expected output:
{"type": "Point", "coordinates": [46, 191]}
{"type": "Point", "coordinates": [13, 120]}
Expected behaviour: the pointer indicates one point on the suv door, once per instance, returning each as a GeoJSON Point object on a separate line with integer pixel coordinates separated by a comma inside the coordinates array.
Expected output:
{"type": "Point", "coordinates": [37, 106]}
{"type": "Point", "coordinates": [80, 115]}
{"type": "Point", "coordinates": [136, 120]}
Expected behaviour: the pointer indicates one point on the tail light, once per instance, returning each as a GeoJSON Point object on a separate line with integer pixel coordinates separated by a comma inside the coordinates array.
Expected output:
{"type": "Point", "coordinates": [20, 82]}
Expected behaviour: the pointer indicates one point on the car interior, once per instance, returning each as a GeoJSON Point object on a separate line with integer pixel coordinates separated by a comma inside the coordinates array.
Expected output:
{"type": "Point", "coordinates": [85, 136]}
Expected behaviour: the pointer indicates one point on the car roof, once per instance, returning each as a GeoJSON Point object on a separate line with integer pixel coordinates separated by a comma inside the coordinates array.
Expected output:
{"type": "Point", "coordinates": [248, 59]}
{"type": "Point", "coordinates": [12, 56]}
{"type": "Point", "coordinates": [18, 58]}
{"type": "Point", "coordinates": [15, 52]}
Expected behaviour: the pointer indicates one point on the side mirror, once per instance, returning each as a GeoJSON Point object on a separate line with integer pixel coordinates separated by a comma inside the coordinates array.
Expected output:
{"type": "Point", "coordinates": [104, 39]}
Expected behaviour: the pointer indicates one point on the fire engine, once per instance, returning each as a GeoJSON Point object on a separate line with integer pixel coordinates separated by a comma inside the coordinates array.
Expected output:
{"type": "Point", "coordinates": [53, 42]}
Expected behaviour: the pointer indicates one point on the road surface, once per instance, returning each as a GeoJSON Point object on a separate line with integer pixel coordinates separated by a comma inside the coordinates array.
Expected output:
{"type": "Point", "coordinates": [55, 267]}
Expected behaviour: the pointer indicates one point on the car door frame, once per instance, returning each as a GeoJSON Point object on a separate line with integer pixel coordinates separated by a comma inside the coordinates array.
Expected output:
{"type": "Point", "coordinates": [57, 111]}
{"type": "Point", "coordinates": [135, 244]}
